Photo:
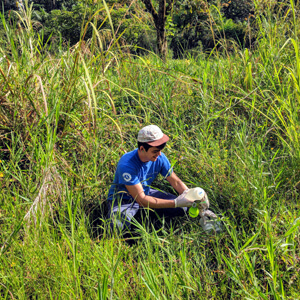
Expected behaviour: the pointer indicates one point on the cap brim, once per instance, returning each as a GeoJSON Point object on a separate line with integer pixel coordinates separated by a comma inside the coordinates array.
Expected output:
{"type": "Point", "coordinates": [163, 140]}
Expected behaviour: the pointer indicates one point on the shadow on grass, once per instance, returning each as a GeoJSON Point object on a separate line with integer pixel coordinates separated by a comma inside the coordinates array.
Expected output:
{"type": "Point", "coordinates": [96, 214]}
{"type": "Point", "coordinates": [145, 222]}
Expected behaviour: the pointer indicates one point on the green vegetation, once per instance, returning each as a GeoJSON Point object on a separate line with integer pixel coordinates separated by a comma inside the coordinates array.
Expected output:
{"type": "Point", "coordinates": [149, 25]}
{"type": "Point", "coordinates": [68, 113]}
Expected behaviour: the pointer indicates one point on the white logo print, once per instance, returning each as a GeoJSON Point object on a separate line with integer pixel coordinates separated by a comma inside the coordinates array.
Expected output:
{"type": "Point", "coordinates": [126, 176]}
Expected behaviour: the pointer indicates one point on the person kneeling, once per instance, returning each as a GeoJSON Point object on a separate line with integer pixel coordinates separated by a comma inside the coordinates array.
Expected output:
{"type": "Point", "coordinates": [130, 192]}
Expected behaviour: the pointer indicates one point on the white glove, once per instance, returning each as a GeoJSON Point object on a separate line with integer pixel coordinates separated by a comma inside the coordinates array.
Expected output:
{"type": "Point", "coordinates": [204, 202]}
{"type": "Point", "coordinates": [181, 201]}
{"type": "Point", "coordinates": [208, 213]}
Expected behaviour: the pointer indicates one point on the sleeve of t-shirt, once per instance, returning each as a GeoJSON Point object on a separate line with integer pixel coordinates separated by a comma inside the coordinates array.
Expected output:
{"type": "Point", "coordinates": [128, 175]}
{"type": "Point", "coordinates": [166, 169]}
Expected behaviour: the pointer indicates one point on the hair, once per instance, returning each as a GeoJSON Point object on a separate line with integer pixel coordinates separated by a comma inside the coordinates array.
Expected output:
{"type": "Point", "coordinates": [147, 146]}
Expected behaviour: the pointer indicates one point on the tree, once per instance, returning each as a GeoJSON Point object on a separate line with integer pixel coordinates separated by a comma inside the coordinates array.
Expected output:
{"type": "Point", "coordinates": [159, 17]}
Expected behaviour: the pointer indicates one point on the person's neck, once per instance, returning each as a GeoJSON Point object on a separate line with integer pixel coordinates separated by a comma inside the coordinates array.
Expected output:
{"type": "Point", "coordinates": [142, 157]}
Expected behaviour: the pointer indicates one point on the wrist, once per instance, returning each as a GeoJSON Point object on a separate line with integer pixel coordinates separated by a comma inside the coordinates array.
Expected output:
{"type": "Point", "coordinates": [175, 202]}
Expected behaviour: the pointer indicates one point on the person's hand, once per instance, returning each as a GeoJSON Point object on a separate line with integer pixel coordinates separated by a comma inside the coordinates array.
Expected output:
{"type": "Point", "coordinates": [204, 204]}
{"type": "Point", "coordinates": [208, 213]}
{"type": "Point", "coordinates": [181, 201]}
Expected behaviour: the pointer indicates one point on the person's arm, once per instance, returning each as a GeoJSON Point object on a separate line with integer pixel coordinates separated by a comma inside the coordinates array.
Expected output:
{"type": "Point", "coordinates": [137, 192]}
{"type": "Point", "coordinates": [176, 183]}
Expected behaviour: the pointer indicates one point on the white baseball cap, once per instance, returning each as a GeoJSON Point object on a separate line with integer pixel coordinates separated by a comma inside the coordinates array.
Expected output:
{"type": "Point", "coordinates": [152, 135]}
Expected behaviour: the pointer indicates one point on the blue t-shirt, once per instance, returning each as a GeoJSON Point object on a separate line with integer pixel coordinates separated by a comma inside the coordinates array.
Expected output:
{"type": "Point", "coordinates": [131, 170]}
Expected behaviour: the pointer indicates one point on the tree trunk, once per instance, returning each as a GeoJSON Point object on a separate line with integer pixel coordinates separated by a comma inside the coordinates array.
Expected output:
{"type": "Point", "coordinates": [159, 19]}
{"type": "Point", "coordinates": [162, 45]}
{"type": "Point", "coordinates": [160, 29]}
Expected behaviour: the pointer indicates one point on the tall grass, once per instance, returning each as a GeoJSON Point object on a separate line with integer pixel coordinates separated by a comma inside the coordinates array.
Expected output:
{"type": "Point", "coordinates": [233, 123]}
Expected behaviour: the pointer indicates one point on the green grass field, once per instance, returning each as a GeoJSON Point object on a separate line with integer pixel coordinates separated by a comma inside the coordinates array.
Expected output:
{"type": "Point", "coordinates": [67, 116]}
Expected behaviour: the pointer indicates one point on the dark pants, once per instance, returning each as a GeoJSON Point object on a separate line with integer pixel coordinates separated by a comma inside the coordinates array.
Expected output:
{"type": "Point", "coordinates": [122, 214]}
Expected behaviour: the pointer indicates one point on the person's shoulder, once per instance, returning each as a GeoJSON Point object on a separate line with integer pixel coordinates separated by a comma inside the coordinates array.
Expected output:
{"type": "Point", "coordinates": [128, 155]}
{"type": "Point", "coordinates": [128, 159]}
{"type": "Point", "coordinates": [163, 156]}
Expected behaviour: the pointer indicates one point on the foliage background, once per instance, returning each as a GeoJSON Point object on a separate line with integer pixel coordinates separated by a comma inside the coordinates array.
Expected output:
{"type": "Point", "coordinates": [68, 111]}
{"type": "Point", "coordinates": [193, 25]}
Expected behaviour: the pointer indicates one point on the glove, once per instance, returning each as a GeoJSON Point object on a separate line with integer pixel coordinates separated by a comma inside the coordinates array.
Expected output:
{"type": "Point", "coordinates": [204, 204]}
{"type": "Point", "coordinates": [181, 201]}
{"type": "Point", "coordinates": [208, 214]}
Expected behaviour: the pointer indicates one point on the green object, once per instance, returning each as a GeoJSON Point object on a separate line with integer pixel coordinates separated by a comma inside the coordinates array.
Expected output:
{"type": "Point", "coordinates": [194, 212]}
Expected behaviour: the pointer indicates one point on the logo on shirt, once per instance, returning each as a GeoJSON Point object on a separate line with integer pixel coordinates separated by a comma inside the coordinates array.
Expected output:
{"type": "Point", "coordinates": [127, 177]}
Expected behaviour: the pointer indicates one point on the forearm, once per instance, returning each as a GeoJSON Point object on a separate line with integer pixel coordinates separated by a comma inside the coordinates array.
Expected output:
{"type": "Point", "coordinates": [176, 183]}
{"type": "Point", "coordinates": [180, 187]}
{"type": "Point", "coordinates": [152, 202]}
